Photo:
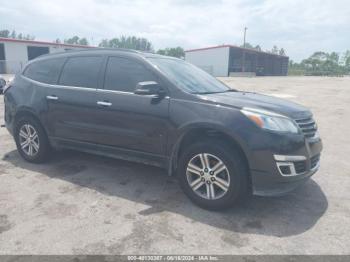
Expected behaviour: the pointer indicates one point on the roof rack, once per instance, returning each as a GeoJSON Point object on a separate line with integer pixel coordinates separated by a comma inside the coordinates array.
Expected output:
{"type": "Point", "coordinates": [104, 49]}
{"type": "Point", "coordinates": [91, 50]}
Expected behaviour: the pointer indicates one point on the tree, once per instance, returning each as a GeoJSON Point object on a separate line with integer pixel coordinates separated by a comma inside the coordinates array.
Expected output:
{"type": "Point", "coordinates": [13, 34]}
{"type": "Point", "coordinates": [322, 63]}
{"type": "Point", "coordinates": [275, 50]}
{"type": "Point", "coordinates": [334, 57]}
{"type": "Point", "coordinates": [83, 41]}
{"type": "Point", "coordinates": [282, 52]}
{"type": "Point", "coordinates": [5, 33]}
{"type": "Point", "coordinates": [257, 47]}
{"type": "Point", "coordinates": [346, 59]}
{"type": "Point", "coordinates": [173, 51]}
{"type": "Point", "coordinates": [76, 40]}
{"type": "Point", "coordinates": [72, 41]}
{"type": "Point", "coordinates": [128, 42]}
{"type": "Point", "coordinates": [247, 45]}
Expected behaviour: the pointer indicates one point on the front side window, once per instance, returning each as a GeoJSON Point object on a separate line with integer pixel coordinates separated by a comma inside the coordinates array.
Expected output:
{"type": "Point", "coordinates": [45, 71]}
{"type": "Point", "coordinates": [81, 71]}
{"type": "Point", "coordinates": [123, 74]}
{"type": "Point", "coordinates": [189, 77]}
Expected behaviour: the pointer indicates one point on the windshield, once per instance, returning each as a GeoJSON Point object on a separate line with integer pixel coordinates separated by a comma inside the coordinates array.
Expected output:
{"type": "Point", "coordinates": [189, 77]}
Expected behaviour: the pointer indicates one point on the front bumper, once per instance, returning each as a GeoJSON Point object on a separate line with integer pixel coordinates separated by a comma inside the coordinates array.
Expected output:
{"type": "Point", "coordinates": [284, 169]}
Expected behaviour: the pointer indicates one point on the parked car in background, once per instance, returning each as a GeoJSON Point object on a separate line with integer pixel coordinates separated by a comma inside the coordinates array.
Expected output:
{"type": "Point", "coordinates": [221, 143]}
{"type": "Point", "coordinates": [2, 84]}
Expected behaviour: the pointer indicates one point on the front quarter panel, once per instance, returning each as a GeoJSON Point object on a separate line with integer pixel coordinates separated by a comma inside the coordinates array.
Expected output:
{"type": "Point", "coordinates": [188, 114]}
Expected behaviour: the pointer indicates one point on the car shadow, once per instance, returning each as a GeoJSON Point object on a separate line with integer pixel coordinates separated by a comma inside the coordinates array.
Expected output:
{"type": "Point", "coordinates": [283, 216]}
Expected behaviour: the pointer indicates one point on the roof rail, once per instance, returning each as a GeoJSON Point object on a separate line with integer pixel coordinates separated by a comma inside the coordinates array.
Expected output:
{"type": "Point", "coordinates": [104, 49]}
{"type": "Point", "coordinates": [91, 50]}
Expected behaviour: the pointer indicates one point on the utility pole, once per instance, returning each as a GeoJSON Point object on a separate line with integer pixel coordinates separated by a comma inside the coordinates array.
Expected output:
{"type": "Point", "coordinates": [243, 52]}
{"type": "Point", "coordinates": [245, 32]}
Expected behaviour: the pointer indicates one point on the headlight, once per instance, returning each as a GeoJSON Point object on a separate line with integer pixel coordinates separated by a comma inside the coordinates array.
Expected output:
{"type": "Point", "coordinates": [270, 121]}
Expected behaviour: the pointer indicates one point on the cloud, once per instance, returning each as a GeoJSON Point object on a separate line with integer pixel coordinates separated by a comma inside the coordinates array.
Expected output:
{"type": "Point", "coordinates": [300, 27]}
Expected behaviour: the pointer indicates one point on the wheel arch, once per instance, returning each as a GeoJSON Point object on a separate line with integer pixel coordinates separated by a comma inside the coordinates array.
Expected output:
{"type": "Point", "coordinates": [198, 132]}
{"type": "Point", "coordinates": [23, 112]}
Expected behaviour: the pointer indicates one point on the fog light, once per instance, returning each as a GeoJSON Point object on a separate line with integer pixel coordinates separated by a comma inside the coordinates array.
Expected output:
{"type": "Point", "coordinates": [285, 170]}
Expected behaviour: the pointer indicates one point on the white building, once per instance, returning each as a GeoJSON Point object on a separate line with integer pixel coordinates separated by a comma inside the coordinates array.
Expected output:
{"type": "Point", "coordinates": [229, 60]}
{"type": "Point", "coordinates": [14, 53]}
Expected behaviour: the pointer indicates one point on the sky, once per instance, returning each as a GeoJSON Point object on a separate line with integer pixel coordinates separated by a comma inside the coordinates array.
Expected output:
{"type": "Point", "coordinates": [301, 27]}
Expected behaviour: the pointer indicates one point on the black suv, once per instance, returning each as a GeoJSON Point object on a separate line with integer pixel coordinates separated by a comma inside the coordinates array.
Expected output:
{"type": "Point", "coordinates": [221, 143]}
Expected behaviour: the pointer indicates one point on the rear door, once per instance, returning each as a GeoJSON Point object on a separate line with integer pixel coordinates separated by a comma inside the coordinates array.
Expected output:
{"type": "Point", "coordinates": [126, 120]}
{"type": "Point", "coordinates": [72, 101]}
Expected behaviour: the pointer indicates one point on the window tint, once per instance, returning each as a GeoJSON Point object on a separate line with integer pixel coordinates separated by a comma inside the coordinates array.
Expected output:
{"type": "Point", "coordinates": [81, 72]}
{"type": "Point", "coordinates": [45, 71]}
{"type": "Point", "coordinates": [123, 74]}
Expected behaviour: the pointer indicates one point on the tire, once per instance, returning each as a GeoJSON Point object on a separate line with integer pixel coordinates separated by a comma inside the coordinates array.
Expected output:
{"type": "Point", "coordinates": [235, 175]}
{"type": "Point", "coordinates": [38, 140]}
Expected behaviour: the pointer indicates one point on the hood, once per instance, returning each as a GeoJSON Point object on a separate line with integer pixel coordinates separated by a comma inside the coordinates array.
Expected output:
{"type": "Point", "coordinates": [253, 100]}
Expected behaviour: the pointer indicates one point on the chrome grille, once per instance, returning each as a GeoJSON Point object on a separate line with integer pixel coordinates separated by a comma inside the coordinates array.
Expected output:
{"type": "Point", "coordinates": [307, 126]}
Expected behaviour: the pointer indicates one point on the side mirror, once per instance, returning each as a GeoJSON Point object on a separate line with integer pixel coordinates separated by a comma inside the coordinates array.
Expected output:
{"type": "Point", "coordinates": [149, 88]}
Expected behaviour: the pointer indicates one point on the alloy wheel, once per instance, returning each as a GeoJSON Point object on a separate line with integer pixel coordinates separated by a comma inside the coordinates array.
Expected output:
{"type": "Point", "coordinates": [208, 176]}
{"type": "Point", "coordinates": [29, 140]}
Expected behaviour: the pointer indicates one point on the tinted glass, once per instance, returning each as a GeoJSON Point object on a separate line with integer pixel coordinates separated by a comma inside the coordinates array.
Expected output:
{"type": "Point", "coordinates": [189, 77]}
{"type": "Point", "coordinates": [46, 71]}
{"type": "Point", "coordinates": [81, 72]}
{"type": "Point", "coordinates": [123, 74]}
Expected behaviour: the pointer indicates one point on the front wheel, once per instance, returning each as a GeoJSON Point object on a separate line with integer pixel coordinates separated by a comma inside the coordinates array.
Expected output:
{"type": "Point", "coordinates": [213, 175]}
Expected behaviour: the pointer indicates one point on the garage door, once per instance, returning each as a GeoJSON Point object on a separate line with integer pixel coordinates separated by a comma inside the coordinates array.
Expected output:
{"type": "Point", "coordinates": [35, 51]}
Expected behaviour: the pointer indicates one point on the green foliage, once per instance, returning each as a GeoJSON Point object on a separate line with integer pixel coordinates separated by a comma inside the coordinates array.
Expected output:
{"type": "Point", "coordinates": [130, 42]}
{"type": "Point", "coordinates": [250, 46]}
{"type": "Point", "coordinates": [282, 52]}
{"type": "Point", "coordinates": [178, 52]}
{"type": "Point", "coordinates": [257, 47]}
{"type": "Point", "coordinates": [7, 34]}
{"type": "Point", "coordinates": [322, 64]}
{"type": "Point", "coordinates": [75, 40]}
{"type": "Point", "coordinates": [275, 50]}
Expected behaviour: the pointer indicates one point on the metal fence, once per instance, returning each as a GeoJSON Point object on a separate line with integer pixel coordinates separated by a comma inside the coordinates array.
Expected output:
{"type": "Point", "coordinates": [11, 67]}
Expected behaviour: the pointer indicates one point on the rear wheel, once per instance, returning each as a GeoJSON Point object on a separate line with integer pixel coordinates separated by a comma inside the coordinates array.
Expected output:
{"type": "Point", "coordinates": [31, 140]}
{"type": "Point", "coordinates": [213, 175]}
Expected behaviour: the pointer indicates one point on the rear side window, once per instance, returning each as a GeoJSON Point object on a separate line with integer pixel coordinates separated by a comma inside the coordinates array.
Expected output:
{"type": "Point", "coordinates": [81, 71]}
{"type": "Point", "coordinates": [45, 71]}
{"type": "Point", "coordinates": [123, 74]}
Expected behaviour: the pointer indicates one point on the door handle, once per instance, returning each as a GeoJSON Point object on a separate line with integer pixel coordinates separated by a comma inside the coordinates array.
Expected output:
{"type": "Point", "coordinates": [104, 103]}
{"type": "Point", "coordinates": [51, 97]}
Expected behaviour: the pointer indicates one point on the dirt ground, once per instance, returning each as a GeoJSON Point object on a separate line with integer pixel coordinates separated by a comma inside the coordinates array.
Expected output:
{"type": "Point", "coordinates": [84, 204]}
